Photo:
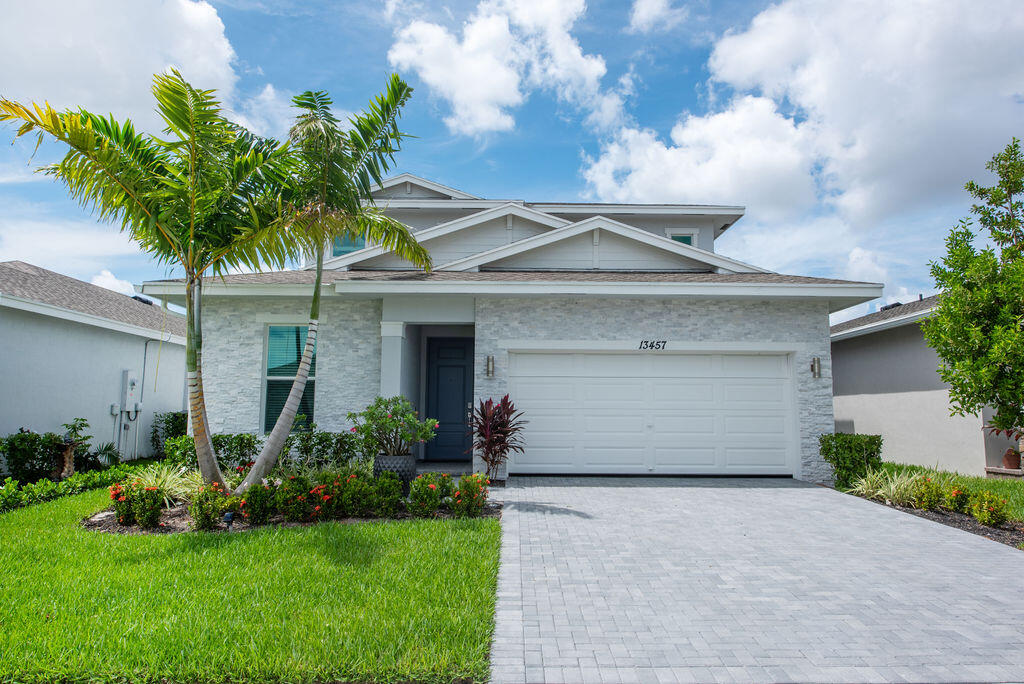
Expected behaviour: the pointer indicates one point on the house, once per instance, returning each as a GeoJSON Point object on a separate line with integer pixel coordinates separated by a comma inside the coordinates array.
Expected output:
{"type": "Point", "coordinates": [75, 350]}
{"type": "Point", "coordinates": [631, 345]}
{"type": "Point", "coordinates": [886, 382]}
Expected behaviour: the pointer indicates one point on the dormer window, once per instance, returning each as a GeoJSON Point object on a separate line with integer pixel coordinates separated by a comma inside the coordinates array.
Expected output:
{"type": "Point", "coordinates": [685, 238]}
{"type": "Point", "coordinates": [344, 245]}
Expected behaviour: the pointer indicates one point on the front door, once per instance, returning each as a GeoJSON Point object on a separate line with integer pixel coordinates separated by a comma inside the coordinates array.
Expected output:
{"type": "Point", "coordinates": [449, 397]}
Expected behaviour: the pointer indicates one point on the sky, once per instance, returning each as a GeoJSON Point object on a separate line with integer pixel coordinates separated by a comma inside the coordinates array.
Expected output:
{"type": "Point", "coordinates": [846, 129]}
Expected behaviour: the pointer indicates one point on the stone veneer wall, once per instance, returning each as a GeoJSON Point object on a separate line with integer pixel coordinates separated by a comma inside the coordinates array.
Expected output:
{"type": "Point", "coordinates": [804, 324]}
{"type": "Point", "coordinates": [234, 335]}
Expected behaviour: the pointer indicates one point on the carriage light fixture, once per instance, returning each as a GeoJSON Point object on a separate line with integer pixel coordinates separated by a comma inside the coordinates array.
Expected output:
{"type": "Point", "coordinates": [490, 366]}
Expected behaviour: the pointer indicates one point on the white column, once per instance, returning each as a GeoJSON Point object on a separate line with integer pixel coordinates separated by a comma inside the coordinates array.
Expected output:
{"type": "Point", "coordinates": [392, 337]}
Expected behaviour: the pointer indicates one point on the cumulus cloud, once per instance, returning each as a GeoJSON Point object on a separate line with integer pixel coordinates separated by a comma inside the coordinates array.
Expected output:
{"type": "Point", "coordinates": [268, 113]}
{"type": "Point", "coordinates": [504, 51]}
{"type": "Point", "coordinates": [73, 247]}
{"type": "Point", "coordinates": [655, 15]}
{"type": "Point", "coordinates": [108, 280]}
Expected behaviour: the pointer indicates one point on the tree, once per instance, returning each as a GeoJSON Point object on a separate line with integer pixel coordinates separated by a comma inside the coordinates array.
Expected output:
{"type": "Point", "coordinates": [207, 199]}
{"type": "Point", "coordinates": [331, 196]}
{"type": "Point", "coordinates": [977, 328]}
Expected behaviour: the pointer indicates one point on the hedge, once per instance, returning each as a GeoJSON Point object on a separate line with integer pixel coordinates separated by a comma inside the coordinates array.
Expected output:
{"type": "Point", "coordinates": [850, 456]}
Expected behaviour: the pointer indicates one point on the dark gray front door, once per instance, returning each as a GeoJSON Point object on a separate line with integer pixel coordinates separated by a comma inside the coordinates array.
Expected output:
{"type": "Point", "coordinates": [449, 396]}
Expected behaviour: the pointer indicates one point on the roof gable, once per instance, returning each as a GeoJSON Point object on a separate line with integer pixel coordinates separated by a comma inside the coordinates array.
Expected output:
{"type": "Point", "coordinates": [631, 249]}
{"type": "Point", "coordinates": [408, 186]}
{"type": "Point", "coordinates": [447, 232]}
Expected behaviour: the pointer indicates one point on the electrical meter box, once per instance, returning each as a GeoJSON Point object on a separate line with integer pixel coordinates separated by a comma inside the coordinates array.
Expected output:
{"type": "Point", "coordinates": [129, 390]}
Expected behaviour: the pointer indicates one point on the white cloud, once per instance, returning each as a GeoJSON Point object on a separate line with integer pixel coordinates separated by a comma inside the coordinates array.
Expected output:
{"type": "Point", "coordinates": [268, 113]}
{"type": "Point", "coordinates": [111, 282]}
{"type": "Point", "coordinates": [505, 50]}
{"type": "Point", "coordinates": [655, 15]}
{"type": "Point", "coordinates": [74, 247]}
{"type": "Point", "coordinates": [748, 154]}
{"type": "Point", "coordinates": [102, 54]}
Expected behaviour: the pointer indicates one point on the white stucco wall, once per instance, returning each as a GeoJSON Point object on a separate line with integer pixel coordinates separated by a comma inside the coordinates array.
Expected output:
{"type": "Point", "coordinates": [802, 326]}
{"type": "Point", "coordinates": [52, 370]}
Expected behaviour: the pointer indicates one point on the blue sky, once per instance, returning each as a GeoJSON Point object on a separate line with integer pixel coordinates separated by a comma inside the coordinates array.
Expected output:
{"type": "Point", "coordinates": [847, 129]}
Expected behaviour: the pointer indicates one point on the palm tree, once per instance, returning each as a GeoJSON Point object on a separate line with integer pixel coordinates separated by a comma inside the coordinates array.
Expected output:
{"type": "Point", "coordinates": [207, 199]}
{"type": "Point", "coordinates": [331, 193]}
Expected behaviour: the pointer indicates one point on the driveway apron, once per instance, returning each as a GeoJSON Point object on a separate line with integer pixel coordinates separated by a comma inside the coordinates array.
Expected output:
{"type": "Point", "coordinates": [725, 579]}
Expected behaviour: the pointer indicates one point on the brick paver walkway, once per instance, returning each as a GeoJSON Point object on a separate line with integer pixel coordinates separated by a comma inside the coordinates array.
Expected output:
{"type": "Point", "coordinates": [680, 580]}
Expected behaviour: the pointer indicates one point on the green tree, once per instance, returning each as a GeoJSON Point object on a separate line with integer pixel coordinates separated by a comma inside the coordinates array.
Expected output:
{"type": "Point", "coordinates": [207, 198]}
{"type": "Point", "coordinates": [331, 196]}
{"type": "Point", "coordinates": [977, 328]}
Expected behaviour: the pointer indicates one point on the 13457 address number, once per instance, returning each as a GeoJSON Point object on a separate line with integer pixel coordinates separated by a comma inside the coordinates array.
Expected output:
{"type": "Point", "coordinates": [652, 345]}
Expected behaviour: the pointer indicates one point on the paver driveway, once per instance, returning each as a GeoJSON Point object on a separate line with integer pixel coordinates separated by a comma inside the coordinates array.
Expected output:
{"type": "Point", "coordinates": [664, 580]}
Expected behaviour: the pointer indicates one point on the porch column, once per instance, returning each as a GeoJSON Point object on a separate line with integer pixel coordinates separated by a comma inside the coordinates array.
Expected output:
{"type": "Point", "coordinates": [392, 338]}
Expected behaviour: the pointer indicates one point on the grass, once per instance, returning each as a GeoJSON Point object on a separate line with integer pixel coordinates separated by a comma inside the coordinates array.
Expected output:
{"type": "Point", "coordinates": [1011, 490]}
{"type": "Point", "coordinates": [381, 602]}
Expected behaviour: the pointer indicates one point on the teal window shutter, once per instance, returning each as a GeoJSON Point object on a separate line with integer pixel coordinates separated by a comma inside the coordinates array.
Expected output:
{"type": "Point", "coordinates": [344, 244]}
{"type": "Point", "coordinates": [284, 350]}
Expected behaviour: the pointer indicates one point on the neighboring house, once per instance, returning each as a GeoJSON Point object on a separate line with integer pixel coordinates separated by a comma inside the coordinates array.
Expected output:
{"type": "Point", "coordinates": [886, 382]}
{"type": "Point", "coordinates": [74, 350]}
{"type": "Point", "coordinates": [630, 345]}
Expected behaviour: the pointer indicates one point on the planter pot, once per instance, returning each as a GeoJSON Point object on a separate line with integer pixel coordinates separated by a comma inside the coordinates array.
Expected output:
{"type": "Point", "coordinates": [402, 465]}
{"type": "Point", "coordinates": [1011, 459]}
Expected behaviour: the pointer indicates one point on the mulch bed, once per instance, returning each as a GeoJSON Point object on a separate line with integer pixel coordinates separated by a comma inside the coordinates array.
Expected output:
{"type": "Point", "coordinates": [177, 520]}
{"type": "Point", "coordinates": [1010, 533]}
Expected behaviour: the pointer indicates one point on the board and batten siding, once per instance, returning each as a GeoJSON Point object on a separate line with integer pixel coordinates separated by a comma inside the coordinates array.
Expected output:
{"type": "Point", "coordinates": [798, 326]}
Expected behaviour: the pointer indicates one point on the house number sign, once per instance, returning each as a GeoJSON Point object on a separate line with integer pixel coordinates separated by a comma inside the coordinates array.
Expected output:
{"type": "Point", "coordinates": [652, 345]}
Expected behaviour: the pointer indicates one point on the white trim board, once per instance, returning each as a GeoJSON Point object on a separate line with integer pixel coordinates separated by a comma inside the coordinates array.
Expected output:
{"type": "Point", "coordinates": [66, 314]}
{"type": "Point", "coordinates": [474, 262]}
{"type": "Point", "coordinates": [886, 324]}
{"type": "Point", "coordinates": [449, 227]}
{"type": "Point", "coordinates": [423, 183]}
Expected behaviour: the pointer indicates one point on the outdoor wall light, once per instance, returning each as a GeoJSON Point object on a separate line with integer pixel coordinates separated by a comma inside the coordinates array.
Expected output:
{"type": "Point", "coordinates": [490, 366]}
{"type": "Point", "coordinates": [816, 367]}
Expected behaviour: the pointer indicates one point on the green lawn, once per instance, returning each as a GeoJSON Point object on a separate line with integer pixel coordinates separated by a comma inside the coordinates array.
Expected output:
{"type": "Point", "coordinates": [411, 600]}
{"type": "Point", "coordinates": [1011, 490]}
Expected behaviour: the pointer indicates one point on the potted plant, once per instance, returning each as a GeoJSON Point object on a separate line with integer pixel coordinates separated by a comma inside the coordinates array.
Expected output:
{"type": "Point", "coordinates": [497, 428]}
{"type": "Point", "coordinates": [389, 427]}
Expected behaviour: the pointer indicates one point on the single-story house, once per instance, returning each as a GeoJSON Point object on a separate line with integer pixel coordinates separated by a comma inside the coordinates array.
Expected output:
{"type": "Point", "coordinates": [886, 382]}
{"type": "Point", "coordinates": [630, 344]}
{"type": "Point", "coordinates": [76, 350]}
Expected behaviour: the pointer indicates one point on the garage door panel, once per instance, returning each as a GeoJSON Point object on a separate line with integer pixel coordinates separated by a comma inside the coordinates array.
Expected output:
{"type": "Point", "coordinates": [755, 457]}
{"type": "Point", "coordinates": [677, 457]}
{"type": "Point", "coordinates": [761, 394]}
{"type": "Point", "coordinates": [654, 413]}
{"type": "Point", "coordinates": [754, 366]}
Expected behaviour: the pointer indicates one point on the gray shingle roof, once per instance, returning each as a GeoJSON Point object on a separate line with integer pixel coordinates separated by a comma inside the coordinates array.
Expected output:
{"type": "Point", "coordinates": [18, 279]}
{"type": "Point", "coordinates": [889, 314]}
{"type": "Point", "coordinates": [307, 277]}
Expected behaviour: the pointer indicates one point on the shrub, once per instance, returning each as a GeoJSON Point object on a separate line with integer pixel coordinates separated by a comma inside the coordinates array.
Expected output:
{"type": "Point", "coordinates": [357, 495]}
{"type": "Point", "coordinates": [956, 497]}
{"type": "Point", "coordinates": [293, 498]}
{"type": "Point", "coordinates": [176, 483]}
{"type": "Point", "coordinates": [206, 506]}
{"type": "Point", "coordinates": [32, 456]}
{"type": "Point", "coordinates": [122, 494]}
{"type": "Point", "coordinates": [469, 499]}
{"type": "Point", "coordinates": [167, 426]}
{"type": "Point", "coordinates": [497, 429]}
{"type": "Point", "coordinates": [391, 425]}
{"type": "Point", "coordinates": [928, 494]}
{"type": "Point", "coordinates": [257, 504]}
{"type": "Point", "coordinates": [988, 509]}
{"type": "Point", "coordinates": [850, 456]}
{"type": "Point", "coordinates": [10, 496]}
{"type": "Point", "coordinates": [181, 451]}
{"type": "Point", "coordinates": [146, 505]}
{"type": "Point", "coordinates": [236, 451]}
{"type": "Point", "coordinates": [387, 495]}
{"type": "Point", "coordinates": [425, 495]}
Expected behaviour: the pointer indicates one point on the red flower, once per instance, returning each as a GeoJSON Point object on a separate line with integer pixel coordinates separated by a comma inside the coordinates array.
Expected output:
{"type": "Point", "coordinates": [317, 508]}
{"type": "Point", "coordinates": [352, 430]}
{"type": "Point", "coordinates": [120, 498]}
{"type": "Point", "coordinates": [243, 503]}
{"type": "Point", "coordinates": [432, 486]}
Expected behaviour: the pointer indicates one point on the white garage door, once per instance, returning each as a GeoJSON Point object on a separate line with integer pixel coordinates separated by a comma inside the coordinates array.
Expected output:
{"type": "Point", "coordinates": [657, 412]}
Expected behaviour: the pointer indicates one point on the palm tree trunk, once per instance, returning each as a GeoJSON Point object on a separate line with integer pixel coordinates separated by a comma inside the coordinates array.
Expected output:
{"type": "Point", "coordinates": [208, 466]}
{"type": "Point", "coordinates": [272, 447]}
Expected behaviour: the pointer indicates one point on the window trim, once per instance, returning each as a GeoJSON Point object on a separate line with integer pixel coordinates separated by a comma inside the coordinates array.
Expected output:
{"type": "Point", "coordinates": [276, 322]}
{"type": "Point", "coordinates": [672, 233]}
